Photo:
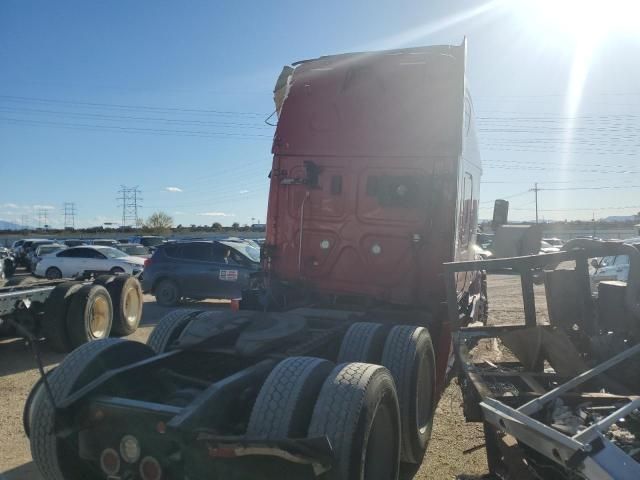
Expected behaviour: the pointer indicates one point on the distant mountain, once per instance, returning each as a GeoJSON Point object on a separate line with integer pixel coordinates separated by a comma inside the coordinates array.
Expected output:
{"type": "Point", "coordinates": [4, 225]}
{"type": "Point", "coordinates": [620, 219]}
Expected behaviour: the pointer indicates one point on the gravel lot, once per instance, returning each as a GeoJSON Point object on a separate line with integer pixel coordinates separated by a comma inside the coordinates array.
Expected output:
{"type": "Point", "coordinates": [456, 449]}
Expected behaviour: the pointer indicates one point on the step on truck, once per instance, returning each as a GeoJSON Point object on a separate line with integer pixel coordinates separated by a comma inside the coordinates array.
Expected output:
{"type": "Point", "coordinates": [67, 313]}
{"type": "Point", "coordinates": [333, 366]}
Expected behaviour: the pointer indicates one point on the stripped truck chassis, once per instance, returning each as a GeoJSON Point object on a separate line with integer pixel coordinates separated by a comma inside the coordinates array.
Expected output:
{"type": "Point", "coordinates": [518, 437]}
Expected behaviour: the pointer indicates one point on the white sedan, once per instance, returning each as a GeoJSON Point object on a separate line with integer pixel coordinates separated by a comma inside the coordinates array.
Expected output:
{"type": "Point", "coordinates": [88, 258]}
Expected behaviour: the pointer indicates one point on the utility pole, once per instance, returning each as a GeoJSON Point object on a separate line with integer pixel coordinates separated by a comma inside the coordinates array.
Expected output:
{"type": "Point", "coordinates": [69, 215]}
{"type": "Point", "coordinates": [535, 189]}
{"type": "Point", "coordinates": [23, 221]}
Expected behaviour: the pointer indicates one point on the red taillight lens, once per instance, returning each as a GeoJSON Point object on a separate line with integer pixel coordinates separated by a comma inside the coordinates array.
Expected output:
{"type": "Point", "coordinates": [110, 461]}
{"type": "Point", "coordinates": [150, 469]}
{"type": "Point", "coordinates": [147, 262]}
{"type": "Point", "coordinates": [235, 304]}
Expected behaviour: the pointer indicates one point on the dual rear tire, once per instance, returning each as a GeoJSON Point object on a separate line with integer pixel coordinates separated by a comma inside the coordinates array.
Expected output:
{"type": "Point", "coordinates": [375, 416]}
{"type": "Point", "coordinates": [77, 313]}
{"type": "Point", "coordinates": [354, 405]}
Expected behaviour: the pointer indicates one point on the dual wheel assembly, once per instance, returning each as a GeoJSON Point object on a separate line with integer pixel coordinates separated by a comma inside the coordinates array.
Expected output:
{"type": "Point", "coordinates": [77, 313]}
{"type": "Point", "coordinates": [375, 405]}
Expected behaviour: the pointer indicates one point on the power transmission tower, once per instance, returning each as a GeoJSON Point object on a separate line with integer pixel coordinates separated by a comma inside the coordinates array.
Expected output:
{"type": "Point", "coordinates": [130, 203]}
{"type": "Point", "coordinates": [42, 218]}
{"type": "Point", "coordinates": [69, 215]}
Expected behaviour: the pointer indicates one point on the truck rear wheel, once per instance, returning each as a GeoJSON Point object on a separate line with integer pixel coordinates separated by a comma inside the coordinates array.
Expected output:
{"type": "Point", "coordinates": [36, 391]}
{"type": "Point", "coordinates": [126, 296]}
{"type": "Point", "coordinates": [363, 342]}
{"type": "Point", "coordinates": [169, 329]}
{"type": "Point", "coordinates": [357, 409]}
{"type": "Point", "coordinates": [56, 308]}
{"type": "Point", "coordinates": [90, 315]}
{"type": "Point", "coordinates": [55, 457]}
{"type": "Point", "coordinates": [408, 354]}
{"type": "Point", "coordinates": [285, 402]}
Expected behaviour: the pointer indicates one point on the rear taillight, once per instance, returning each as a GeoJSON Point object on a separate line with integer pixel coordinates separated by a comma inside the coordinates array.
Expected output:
{"type": "Point", "coordinates": [150, 469]}
{"type": "Point", "coordinates": [147, 262]}
{"type": "Point", "coordinates": [110, 461]}
{"type": "Point", "coordinates": [235, 304]}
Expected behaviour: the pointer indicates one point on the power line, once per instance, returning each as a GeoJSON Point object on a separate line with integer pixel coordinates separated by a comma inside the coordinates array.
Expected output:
{"type": "Point", "coordinates": [153, 131]}
{"type": "Point", "coordinates": [14, 98]}
{"type": "Point", "coordinates": [135, 118]}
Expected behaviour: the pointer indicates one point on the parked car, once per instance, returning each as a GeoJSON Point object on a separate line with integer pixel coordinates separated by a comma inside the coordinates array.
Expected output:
{"type": "Point", "coordinates": [43, 250]}
{"type": "Point", "coordinates": [105, 242]}
{"type": "Point", "coordinates": [609, 268]}
{"type": "Point", "coordinates": [15, 245]}
{"type": "Point", "coordinates": [546, 247]}
{"type": "Point", "coordinates": [74, 242]}
{"type": "Point", "coordinates": [23, 249]}
{"type": "Point", "coordinates": [90, 258]}
{"type": "Point", "coordinates": [30, 251]}
{"type": "Point", "coordinates": [135, 250]}
{"type": "Point", "coordinates": [8, 262]}
{"type": "Point", "coordinates": [199, 270]}
{"type": "Point", "coordinates": [554, 241]}
{"type": "Point", "coordinates": [149, 241]}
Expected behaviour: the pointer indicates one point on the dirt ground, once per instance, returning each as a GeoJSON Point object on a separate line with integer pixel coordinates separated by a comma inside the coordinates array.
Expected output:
{"type": "Point", "coordinates": [456, 449]}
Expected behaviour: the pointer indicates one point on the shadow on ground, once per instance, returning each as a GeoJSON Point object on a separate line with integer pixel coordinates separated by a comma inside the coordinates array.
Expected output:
{"type": "Point", "coordinates": [28, 471]}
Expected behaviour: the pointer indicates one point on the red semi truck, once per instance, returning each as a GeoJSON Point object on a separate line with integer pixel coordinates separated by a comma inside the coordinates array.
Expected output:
{"type": "Point", "coordinates": [333, 367]}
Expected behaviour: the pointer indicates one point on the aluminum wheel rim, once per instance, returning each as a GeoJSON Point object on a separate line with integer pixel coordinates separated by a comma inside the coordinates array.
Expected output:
{"type": "Point", "coordinates": [99, 317]}
{"type": "Point", "coordinates": [131, 305]}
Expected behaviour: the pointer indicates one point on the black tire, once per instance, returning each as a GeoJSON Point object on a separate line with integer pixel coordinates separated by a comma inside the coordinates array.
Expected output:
{"type": "Point", "coordinates": [53, 273]}
{"type": "Point", "coordinates": [409, 356]}
{"type": "Point", "coordinates": [285, 402]}
{"type": "Point", "coordinates": [127, 300]}
{"type": "Point", "coordinates": [17, 281]}
{"type": "Point", "coordinates": [357, 410]}
{"type": "Point", "coordinates": [169, 329]}
{"type": "Point", "coordinates": [363, 342]}
{"type": "Point", "coordinates": [58, 459]}
{"type": "Point", "coordinates": [116, 271]}
{"type": "Point", "coordinates": [90, 315]}
{"type": "Point", "coordinates": [56, 308]}
{"type": "Point", "coordinates": [27, 413]}
{"type": "Point", "coordinates": [167, 293]}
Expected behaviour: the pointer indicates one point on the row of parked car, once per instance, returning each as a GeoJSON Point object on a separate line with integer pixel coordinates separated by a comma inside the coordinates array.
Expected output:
{"type": "Point", "coordinates": [29, 252]}
{"type": "Point", "coordinates": [170, 270]}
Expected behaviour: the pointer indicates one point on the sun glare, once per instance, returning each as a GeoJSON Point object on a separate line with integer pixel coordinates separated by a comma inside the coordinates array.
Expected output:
{"type": "Point", "coordinates": [583, 19]}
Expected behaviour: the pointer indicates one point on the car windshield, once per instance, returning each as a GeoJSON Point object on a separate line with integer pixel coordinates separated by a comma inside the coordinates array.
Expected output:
{"type": "Point", "coordinates": [607, 261]}
{"type": "Point", "coordinates": [48, 249]}
{"type": "Point", "coordinates": [133, 249]}
{"type": "Point", "coordinates": [151, 241]}
{"type": "Point", "coordinates": [246, 249]}
{"type": "Point", "coordinates": [112, 252]}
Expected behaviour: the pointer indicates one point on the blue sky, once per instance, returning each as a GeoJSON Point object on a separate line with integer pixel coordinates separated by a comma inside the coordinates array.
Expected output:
{"type": "Point", "coordinates": [172, 97]}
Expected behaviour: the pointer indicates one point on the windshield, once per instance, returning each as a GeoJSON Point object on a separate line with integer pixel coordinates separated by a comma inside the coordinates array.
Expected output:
{"type": "Point", "coordinates": [246, 249]}
{"type": "Point", "coordinates": [134, 249]}
{"type": "Point", "coordinates": [151, 241]}
{"type": "Point", "coordinates": [48, 249]}
{"type": "Point", "coordinates": [112, 252]}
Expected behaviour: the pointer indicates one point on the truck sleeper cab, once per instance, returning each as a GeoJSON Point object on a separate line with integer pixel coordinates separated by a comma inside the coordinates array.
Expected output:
{"type": "Point", "coordinates": [333, 368]}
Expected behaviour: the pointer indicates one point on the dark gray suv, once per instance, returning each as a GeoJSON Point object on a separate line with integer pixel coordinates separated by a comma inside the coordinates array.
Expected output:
{"type": "Point", "coordinates": [199, 270]}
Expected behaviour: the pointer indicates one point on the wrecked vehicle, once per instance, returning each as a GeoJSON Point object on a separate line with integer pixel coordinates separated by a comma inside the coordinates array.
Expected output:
{"type": "Point", "coordinates": [334, 367]}
{"type": "Point", "coordinates": [561, 399]}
